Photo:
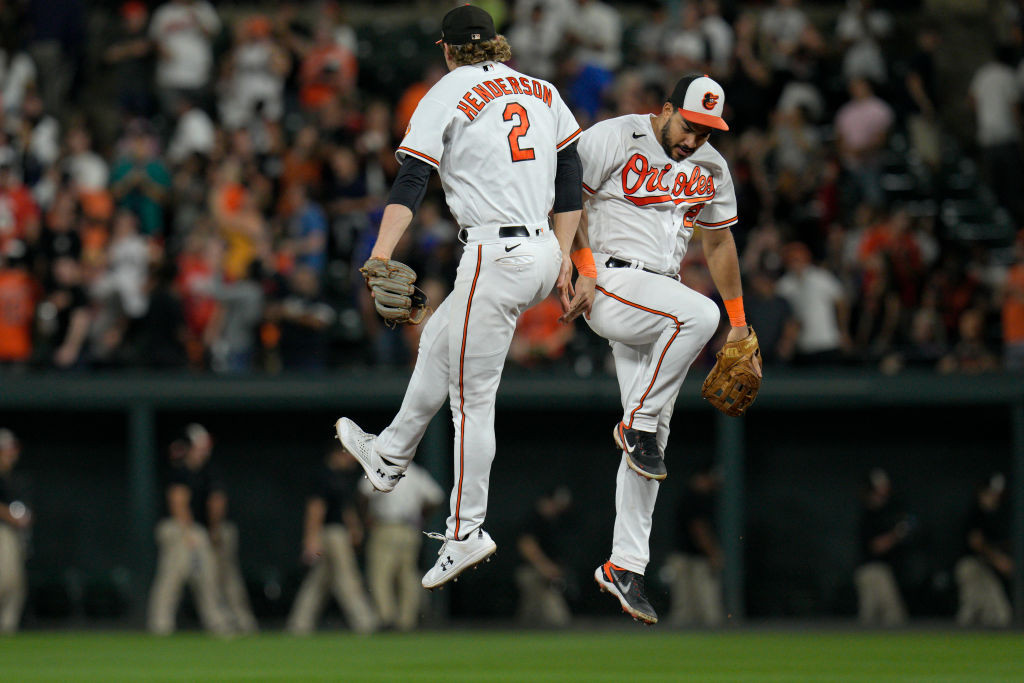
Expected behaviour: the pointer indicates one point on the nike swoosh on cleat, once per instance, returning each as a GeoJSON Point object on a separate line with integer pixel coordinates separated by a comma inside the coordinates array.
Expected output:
{"type": "Point", "coordinates": [625, 442]}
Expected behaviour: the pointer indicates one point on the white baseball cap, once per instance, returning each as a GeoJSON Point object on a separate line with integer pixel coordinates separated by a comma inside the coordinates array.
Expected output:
{"type": "Point", "coordinates": [701, 100]}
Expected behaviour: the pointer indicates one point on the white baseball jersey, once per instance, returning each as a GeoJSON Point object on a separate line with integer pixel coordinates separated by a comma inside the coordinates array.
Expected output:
{"type": "Point", "coordinates": [650, 202]}
{"type": "Point", "coordinates": [481, 126]}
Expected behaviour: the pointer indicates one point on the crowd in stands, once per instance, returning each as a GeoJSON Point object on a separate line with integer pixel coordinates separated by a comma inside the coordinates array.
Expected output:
{"type": "Point", "coordinates": [191, 185]}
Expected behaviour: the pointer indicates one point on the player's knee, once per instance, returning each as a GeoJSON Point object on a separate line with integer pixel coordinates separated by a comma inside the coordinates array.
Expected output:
{"type": "Point", "coordinates": [706, 318]}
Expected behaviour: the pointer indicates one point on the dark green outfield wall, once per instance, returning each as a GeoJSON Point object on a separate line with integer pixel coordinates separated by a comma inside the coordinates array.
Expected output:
{"type": "Point", "coordinates": [94, 453]}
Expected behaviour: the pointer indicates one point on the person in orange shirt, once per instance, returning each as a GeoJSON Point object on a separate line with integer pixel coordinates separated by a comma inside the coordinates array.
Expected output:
{"type": "Point", "coordinates": [328, 70]}
{"type": "Point", "coordinates": [539, 336]}
{"type": "Point", "coordinates": [1013, 312]}
{"type": "Point", "coordinates": [18, 294]}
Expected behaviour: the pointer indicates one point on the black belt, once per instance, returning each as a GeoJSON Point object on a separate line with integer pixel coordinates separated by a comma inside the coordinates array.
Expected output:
{"type": "Point", "coordinates": [503, 231]}
{"type": "Point", "coordinates": [613, 262]}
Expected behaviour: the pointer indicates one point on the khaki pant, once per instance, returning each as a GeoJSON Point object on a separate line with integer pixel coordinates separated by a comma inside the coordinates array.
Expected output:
{"type": "Point", "coordinates": [696, 592]}
{"type": "Point", "coordinates": [181, 561]}
{"type": "Point", "coordinates": [878, 595]}
{"type": "Point", "coordinates": [230, 584]}
{"type": "Point", "coordinates": [337, 571]}
{"type": "Point", "coordinates": [983, 600]}
{"type": "Point", "coordinates": [392, 572]}
{"type": "Point", "coordinates": [12, 578]}
{"type": "Point", "coordinates": [540, 603]}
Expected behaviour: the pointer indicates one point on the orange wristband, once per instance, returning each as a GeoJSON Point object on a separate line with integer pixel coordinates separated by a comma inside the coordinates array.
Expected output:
{"type": "Point", "coordinates": [584, 260]}
{"type": "Point", "coordinates": [734, 307]}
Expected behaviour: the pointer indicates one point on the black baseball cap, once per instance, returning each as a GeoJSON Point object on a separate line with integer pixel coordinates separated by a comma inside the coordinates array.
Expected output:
{"type": "Point", "coordinates": [467, 24]}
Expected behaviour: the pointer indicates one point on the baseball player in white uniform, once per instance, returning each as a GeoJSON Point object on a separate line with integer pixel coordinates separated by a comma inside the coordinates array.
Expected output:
{"type": "Point", "coordinates": [504, 146]}
{"type": "Point", "coordinates": [649, 182]}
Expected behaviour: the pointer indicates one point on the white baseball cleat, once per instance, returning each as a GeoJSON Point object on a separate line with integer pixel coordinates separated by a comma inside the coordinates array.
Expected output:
{"type": "Point", "coordinates": [383, 476]}
{"type": "Point", "coordinates": [455, 557]}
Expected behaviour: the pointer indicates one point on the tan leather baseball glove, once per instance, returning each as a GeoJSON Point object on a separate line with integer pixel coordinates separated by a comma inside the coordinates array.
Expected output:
{"type": "Point", "coordinates": [733, 383]}
{"type": "Point", "coordinates": [394, 296]}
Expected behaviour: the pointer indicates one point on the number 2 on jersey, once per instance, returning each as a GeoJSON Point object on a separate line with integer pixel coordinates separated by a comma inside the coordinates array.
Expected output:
{"type": "Point", "coordinates": [513, 109]}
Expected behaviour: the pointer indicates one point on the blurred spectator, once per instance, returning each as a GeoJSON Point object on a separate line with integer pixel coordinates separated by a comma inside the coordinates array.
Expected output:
{"type": "Point", "coordinates": [161, 335]}
{"type": "Point", "coordinates": [719, 34]}
{"type": "Point", "coordinates": [129, 52]}
{"type": "Point", "coordinates": [15, 521]}
{"type": "Point", "coordinates": [922, 86]}
{"type": "Point", "coordinates": [688, 48]}
{"type": "Point", "coordinates": [183, 32]}
{"type": "Point", "coordinates": [862, 127]}
{"type": "Point", "coordinates": [122, 288]}
{"type": "Point", "coordinates": [544, 577]}
{"type": "Point", "coordinates": [596, 31]}
{"type": "Point", "coordinates": [535, 41]}
{"type": "Point", "coordinates": [194, 131]}
{"type": "Point", "coordinates": [594, 34]}
{"type": "Point", "coordinates": [861, 28]}
{"type": "Point", "coordinates": [395, 521]}
{"type": "Point", "coordinates": [783, 27]}
{"type": "Point", "coordinates": [971, 353]}
{"type": "Point", "coordinates": [18, 294]}
{"type": "Point", "coordinates": [19, 214]}
{"type": "Point", "coordinates": [232, 333]}
{"type": "Point", "coordinates": [749, 77]}
{"type": "Point", "coordinates": [195, 504]}
{"type": "Point", "coordinates": [331, 531]}
{"type": "Point", "coordinates": [254, 75]}
{"type": "Point", "coordinates": [57, 47]}
{"type": "Point", "coordinates": [17, 76]}
{"type": "Point", "coordinates": [1013, 311]}
{"type": "Point", "coordinates": [772, 316]}
{"type": "Point", "coordinates": [884, 527]}
{"type": "Point", "coordinates": [328, 70]}
{"type": "Point", "coordinates": [139, 180]}
{"type": "Point", "coordinates": [981, 574]}
{"type": "Point", "coordinates": [819, 304]}
{"type": "Point", "coordinates": [65, 313]}
{"type": "Point", "coordinates": [695, 567]}
{"type": "Point", "coordinates": [199, 265]}
{"type": "Point", "coordinates": [87, 170]}
{"type": "Point", "coordinates": [306, 241]}
{"type": "Point", "coordinates": [995, 98]}
{"type": "Point", "coordinates": [304, 319]}
{"type": "Point", "coordinates": [237, 219]}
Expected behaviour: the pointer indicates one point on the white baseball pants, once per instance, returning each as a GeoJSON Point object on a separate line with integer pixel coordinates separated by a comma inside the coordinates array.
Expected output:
{"type": "Point", "coordinates": [656, 326]}
{"type": "Point", "coordinates": [462, 353]}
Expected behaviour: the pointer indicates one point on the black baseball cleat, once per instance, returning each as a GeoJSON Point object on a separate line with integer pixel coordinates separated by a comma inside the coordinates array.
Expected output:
{"type": "Point", "coordinates": [641, 449]}
{"type": "Point", "coordinates": [628, 587]}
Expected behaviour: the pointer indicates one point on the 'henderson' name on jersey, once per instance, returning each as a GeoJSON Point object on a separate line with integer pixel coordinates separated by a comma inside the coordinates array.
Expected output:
{"type": "Point", "coordinates": [499, 87]}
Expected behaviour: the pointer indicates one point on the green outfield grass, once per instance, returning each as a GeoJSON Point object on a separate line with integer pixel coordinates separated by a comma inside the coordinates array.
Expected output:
{"type": "Point", "coordinates": [451, 656]}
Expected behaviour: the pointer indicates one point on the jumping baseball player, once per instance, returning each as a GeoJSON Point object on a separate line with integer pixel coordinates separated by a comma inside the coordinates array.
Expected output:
{"type": "Point", "coordinates": [649, 182]}
{"type": "Point", "coordinates": [504, 146]}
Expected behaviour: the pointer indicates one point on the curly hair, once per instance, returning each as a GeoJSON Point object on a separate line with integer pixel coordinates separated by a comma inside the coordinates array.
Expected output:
{"type": "Point", "coordinates": [496, 49]}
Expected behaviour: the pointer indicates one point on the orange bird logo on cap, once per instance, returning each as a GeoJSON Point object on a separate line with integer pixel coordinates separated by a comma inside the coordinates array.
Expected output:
{"type": "Point", "coordinates": [709, 101]}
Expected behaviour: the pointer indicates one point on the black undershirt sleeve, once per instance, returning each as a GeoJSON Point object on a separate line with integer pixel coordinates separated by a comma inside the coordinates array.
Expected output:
{"type": "Point", "coordinates": [411, 184]}
{"type": "Point", "coordinates": [568, 177]}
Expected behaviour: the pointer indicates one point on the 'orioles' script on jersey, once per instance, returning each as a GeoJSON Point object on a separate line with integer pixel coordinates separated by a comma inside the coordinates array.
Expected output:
{"type": "Point", "coordinates": [493, 134]}
{"type": "Point", "coordinates": [697, 188]}
{"type": "Point", "coordinates": [653, 203]}
{"type": "Point", "coordinates": [471, 105]}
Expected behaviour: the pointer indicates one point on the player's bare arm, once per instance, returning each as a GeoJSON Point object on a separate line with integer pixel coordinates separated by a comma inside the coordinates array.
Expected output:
{"type": "Point", "coordinates": [393, 225]}
{"type": "Point", "coordinates": [583, 298]}
{"type": "Point", "coordinates": [724, 265]}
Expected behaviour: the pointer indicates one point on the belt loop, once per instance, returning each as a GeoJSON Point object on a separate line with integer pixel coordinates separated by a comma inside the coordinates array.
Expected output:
{"type": "Point", "coordinates": [463, 235]}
